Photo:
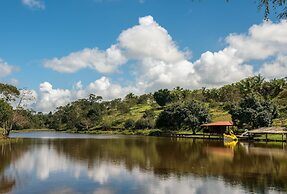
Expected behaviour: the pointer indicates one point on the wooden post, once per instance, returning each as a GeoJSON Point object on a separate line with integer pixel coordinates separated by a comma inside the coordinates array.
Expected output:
{"type": "Point", "coordinates": [266, 137]}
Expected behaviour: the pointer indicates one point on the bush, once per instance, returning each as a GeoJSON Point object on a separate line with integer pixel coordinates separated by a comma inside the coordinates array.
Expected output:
{"type": "Point", "coordinates": [144, 123]}
{"type": "Point", "coordinates": [116, 123]}
{"type": "Point", "coordinates": [155, 132]}
{"type": "Point", "coordinates": [106, 125]}
{"type": "Point", "coordinates": [129, 124]}
{"type": "Point", "coordinates": [148, 114]}
{"type": "Point", "coordinates": [123, 108]}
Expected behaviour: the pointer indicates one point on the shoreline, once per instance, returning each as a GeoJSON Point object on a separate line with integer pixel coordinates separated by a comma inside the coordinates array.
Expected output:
{"type": "Point", "coordinates": [152, 132]}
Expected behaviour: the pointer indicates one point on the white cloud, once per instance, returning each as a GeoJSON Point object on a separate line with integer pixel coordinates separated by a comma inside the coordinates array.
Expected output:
{"type": "Point", "coordinates": [5, 68]}
{"type": "Point", "coordinates": [102, 61]}
{"type": "Point", "coordinates": [156, 74]}
{"type": "Point", "coordinates": [146, 40]}
{"type": "Point", "coordinates": [49, 98]}
{"type": "Point", "coordinates": [275, 69]}
{"type": "Point", "coordinates": [262, 41]}
{"type": "Point", "coordinates": [157, 62]}
{"type": "Point", "coordinates": [35, 4]}
{"type": "Point", "coordinates": [221, 67]}
{"type": "Point", "coordinates": [108, 90]}
{"type": "Point", "coordinates": [149, 40]}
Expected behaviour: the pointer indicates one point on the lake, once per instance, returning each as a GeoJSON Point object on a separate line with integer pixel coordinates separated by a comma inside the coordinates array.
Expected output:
{"type": "Point", "coordinates": [47, 162]}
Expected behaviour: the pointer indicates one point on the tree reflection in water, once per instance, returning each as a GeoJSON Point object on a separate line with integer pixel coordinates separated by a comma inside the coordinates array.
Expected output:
{"type": "Point", "coordinates": [147, 165]}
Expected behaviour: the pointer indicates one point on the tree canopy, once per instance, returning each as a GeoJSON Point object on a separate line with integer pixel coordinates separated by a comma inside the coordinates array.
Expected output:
{"type": "Point", "coordinates": [252, 112]}
{"type": "Point", "coordinates": [8, 92]}
{"type": "Point", "coordinates": [189, 115]}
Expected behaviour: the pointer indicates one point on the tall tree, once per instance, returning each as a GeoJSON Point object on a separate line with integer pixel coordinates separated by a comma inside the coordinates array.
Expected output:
{"type": "Point", "coordinates": [8, 92]}
{"type": "Point", "coordinates": [189, 115]}
{"type": "Point", "coordinates": [253, 112]}
{"type": "Point", "coordinates": [162, 97]}
{"type": "Point", "coordinates": [6, 115]}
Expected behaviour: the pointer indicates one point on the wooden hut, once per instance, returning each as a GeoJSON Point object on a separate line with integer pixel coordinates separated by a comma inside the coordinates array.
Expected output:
{"type": "Point", "coordinates": [217, 127]}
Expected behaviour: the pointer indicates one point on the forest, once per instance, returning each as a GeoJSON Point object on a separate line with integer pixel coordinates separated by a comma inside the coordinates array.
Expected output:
{"type": "Point", "coordinates": [250, 103]}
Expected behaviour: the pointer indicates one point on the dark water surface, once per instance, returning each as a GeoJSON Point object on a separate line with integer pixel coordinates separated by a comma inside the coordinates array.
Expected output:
{"type": "Point", "coordinates": [46, 162]}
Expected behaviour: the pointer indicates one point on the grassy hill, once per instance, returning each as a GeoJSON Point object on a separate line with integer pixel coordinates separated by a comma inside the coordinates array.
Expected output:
{"type": "Point", "coordinates": [116, 119]}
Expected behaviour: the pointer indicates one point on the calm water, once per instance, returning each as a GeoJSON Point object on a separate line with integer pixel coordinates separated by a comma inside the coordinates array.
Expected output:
{"type": "Point", "coordinates": [64, 163]}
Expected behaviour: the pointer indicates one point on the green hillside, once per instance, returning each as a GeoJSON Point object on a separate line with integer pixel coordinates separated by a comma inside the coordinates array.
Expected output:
{"type": "Point", "coordinates": [250, 103]}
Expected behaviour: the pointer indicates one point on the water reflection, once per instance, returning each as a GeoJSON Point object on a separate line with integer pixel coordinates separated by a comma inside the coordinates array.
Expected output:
{"type": "Point", "coordinates": [140, 165]}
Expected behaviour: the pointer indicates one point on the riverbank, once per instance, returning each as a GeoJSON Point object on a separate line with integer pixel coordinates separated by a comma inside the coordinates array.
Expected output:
{"type": "Point", "coordinates": [158, 133]}
{"type": "Point", "coordinates": [32, 130]}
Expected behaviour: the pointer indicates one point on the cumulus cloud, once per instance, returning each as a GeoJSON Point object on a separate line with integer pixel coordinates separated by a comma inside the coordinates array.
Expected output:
{"type": "Point", "coordinates": [49, 98]}
{"type": "Point", "coordinates": [35, 4]}
{"type": "Point", "coordinates": [146, 40]}
{"type": "Point", "coordinates": [102, 61]}
{"type": "Point", "coordinates": [262, 41]}
{"type": "Point", "coordinates": [157, 62]}
{"type": "Point", "coordinates": [149, 40]}
{"type": "Point", "coordinates": [221, 67]}
{"type": "Point", "coordinates": [276, 68]}
{"type": "Point", "coordinates": [5, 69]}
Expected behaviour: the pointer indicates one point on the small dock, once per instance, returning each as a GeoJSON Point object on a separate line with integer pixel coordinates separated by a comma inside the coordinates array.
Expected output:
{"type": "Point", "coordinates": [270, 131]}
{"type": "Point", "coordinates": [197, 136]}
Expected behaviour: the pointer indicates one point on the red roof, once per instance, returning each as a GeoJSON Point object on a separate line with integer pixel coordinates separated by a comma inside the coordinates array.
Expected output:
{"type": "Point", "coordinates": [219, 123]}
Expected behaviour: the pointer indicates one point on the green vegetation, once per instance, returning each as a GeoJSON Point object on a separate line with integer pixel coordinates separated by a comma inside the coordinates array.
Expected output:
{"type": "Point", "coordinates": [279, 4]}
{"type": "Point", "coordinates": [250, 103]}
{"type": "Point", "coordinates": [253, 113]}
{"type": "Point", "coordinates": [186, 115]}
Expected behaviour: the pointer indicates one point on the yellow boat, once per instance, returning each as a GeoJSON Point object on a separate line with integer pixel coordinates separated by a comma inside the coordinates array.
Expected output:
{"type": "Point", "coordinates": [229, 137]}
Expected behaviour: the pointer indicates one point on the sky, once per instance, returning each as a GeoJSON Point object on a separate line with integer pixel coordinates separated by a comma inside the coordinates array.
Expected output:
{"type": "Point", "coordinates": [63, 50]}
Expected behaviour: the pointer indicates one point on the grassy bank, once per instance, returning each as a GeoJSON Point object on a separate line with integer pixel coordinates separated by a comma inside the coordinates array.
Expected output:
{"type": "Point", "coordinates": [31, 130]}
{"type": "Point", "coordinates": [146, 132]}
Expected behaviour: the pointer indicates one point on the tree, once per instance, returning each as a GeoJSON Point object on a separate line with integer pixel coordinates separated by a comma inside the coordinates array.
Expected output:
{"type": "Point", "coordinates": [267, 4]}
{"type": "Point", "coordinates": [275, 4]}
{"type": "Point", "coordinates": [82, 114]}
{"type": "Point", "coordinates": [145, 99]}
{"type": "Point", "coordinates": [6, 115]}
{"type": "Point", "coordinates": [8, 92]}
{"type": "Point", "coordinates": [25, 98]}
{"type": "Point", "coordinates": [253, 112]}
{"type": "Point", "coordinates": [131, 99]}
{"type": "Point", "coordinates": [129, 124]}
{"type": "Point", "coordinates": [189, 115]}
{"type": "Point", "coordinates": [162, 97]}
{"type": "Point", "coordinates": [144, 123]}
{"type": "Point", "coordinates": [251, 85]}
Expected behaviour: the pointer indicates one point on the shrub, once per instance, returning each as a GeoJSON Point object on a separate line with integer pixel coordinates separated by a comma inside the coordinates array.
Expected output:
{"type": "Point", "coordinates": [144, 123]}
{"type": "Point", "coordinates": [148, 114]}
{"type": "Point", "coordinates": [129, 124]}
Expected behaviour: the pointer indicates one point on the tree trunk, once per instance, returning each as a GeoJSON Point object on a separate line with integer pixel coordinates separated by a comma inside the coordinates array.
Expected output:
{"type": "Point", "coordinates": [6, 130]}
{"type": "Point", "coordinates": [6, 133]}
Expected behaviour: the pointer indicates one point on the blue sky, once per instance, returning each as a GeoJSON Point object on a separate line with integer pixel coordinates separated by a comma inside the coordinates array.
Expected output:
{"type": "Point", "coordinates": [34, 32]}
